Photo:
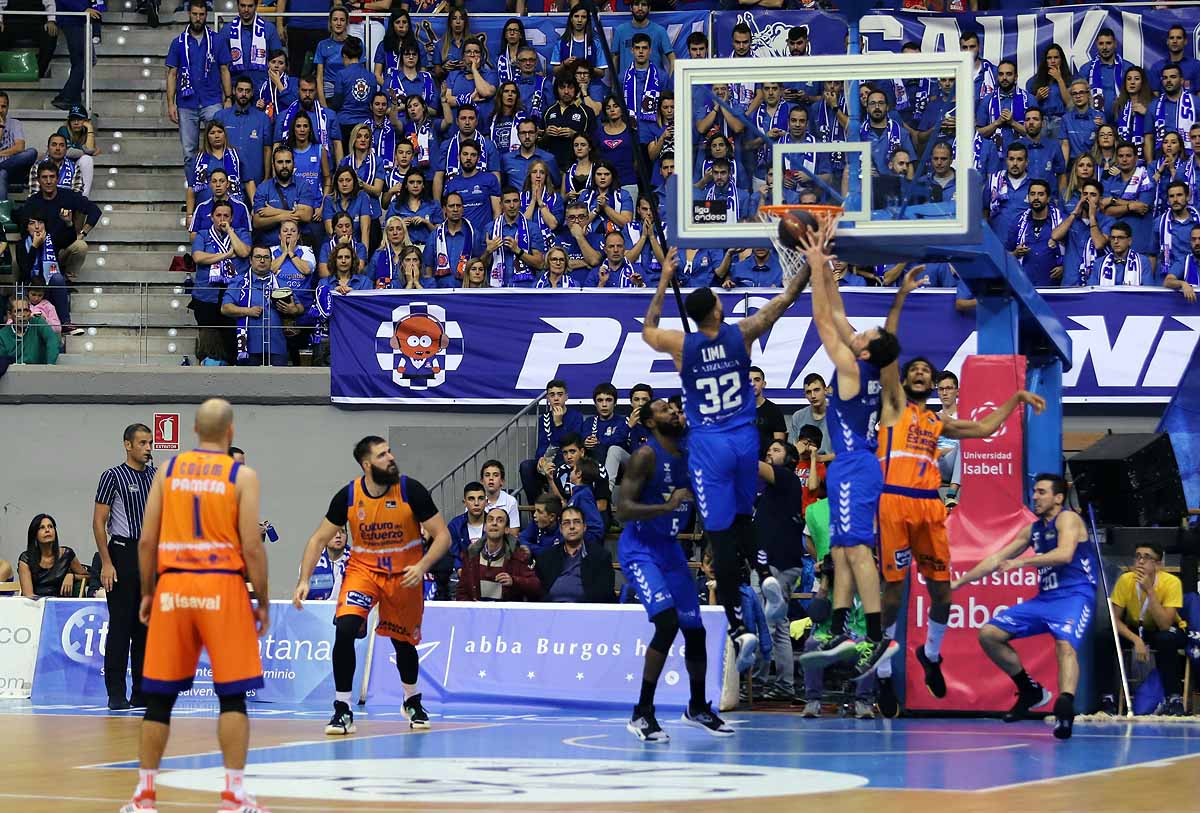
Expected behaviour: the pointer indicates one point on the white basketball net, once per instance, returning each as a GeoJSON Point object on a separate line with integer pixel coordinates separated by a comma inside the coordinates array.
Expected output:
{"type": "Point", "coordinates": [791, 260]}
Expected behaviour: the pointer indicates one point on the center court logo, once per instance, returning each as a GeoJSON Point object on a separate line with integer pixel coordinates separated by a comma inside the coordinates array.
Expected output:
{"type": "Point", "coordinates": [533, 781]}
{"type": "Point", "coordinates": [419, 345]}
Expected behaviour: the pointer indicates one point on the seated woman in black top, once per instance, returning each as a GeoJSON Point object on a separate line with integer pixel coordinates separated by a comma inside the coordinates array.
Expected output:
{"type": "Point", "coordinates": [45, 568]}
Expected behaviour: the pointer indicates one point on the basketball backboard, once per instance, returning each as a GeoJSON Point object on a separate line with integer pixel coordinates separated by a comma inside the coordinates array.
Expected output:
{"type": "Point", "coordinates": [813, 156]}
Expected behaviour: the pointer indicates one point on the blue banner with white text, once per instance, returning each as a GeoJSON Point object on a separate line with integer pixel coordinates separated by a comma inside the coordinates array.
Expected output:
{"type": "Point", "coordinates": [486, 347]}
{"type": "Point", "coordinates": [557, 654]}
{"type": "Point", "coordinates": [1141, 32]}
{"type": "Point", "coordinates": [295, 654]}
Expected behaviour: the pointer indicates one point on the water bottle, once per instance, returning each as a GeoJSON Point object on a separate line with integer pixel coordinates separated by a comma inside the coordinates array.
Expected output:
{"type": "Point", "coordinates": [272, 534]}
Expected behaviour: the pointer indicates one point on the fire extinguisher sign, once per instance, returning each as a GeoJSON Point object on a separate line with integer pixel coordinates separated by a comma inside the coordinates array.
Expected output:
{"type": "Point", "coordinates": [166, 431]}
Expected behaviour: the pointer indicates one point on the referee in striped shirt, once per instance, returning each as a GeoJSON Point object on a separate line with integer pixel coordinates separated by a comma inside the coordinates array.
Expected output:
{"type": "Point", "coordinates": [117, 526]}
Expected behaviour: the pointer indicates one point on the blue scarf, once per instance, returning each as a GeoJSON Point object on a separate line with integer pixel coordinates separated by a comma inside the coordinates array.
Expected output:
{"type": "Point", "coordinates": [893, 135]}
{"type": "Point", "coordinates": [507, 141]}
{"type": "Point", "coordinates": [267, 90]}
{"type": "Point", "coordinates": [317, 117]}
{"type": "Point", "coordinates": [1096, 81]}
{"type": "Point", "coordinates": [624, 274]}
{"type": "Point", "coordinates": [395, 84]}
{"type": "Point", "coordinates": [1133, 270]}
{"type": "Point", "coordinates": [383, 142]}
{"type": "Point", "coordinates": [521, 272]}
{"type": "Point", "coordinates": [387, 267]}
{"type": "Point", "coordinates": [1164, 232]}
{"type": "Point", "coordinates": [731, 200]}
{"type": "Point", "coordinates": [258, 44]}
{"type": "Point", "coordinates": [1020, 103]}
{"type": "Point", "coordinates": [988, 73]}
{"type": "Point", "coordinates": [1001, 187]}
{"type": "Point", "coordinates": [185, 89]}
{"type": "Point", "coordinates": [806, 160]}
{"type": "Point", "coordinates": [564, 281]}
{"type": "Point", "coordinates": [829, 129]}
{"type": "Point", "coordinates": [452, 165]}
{"type": "Point", "coordinates": [230, 162]}
{"type": "Point", "coordinates": [766, 122]}
{"type": "Point", "coordinates": [1131, 127]}
{"type": "Point", "coordinates": [48, 259]}
{"type": "Point", "coordinates": [365, 170]}
{"type": "Point", "coordinates": [443, 268]}
{"type": "Point", "coordinates": [573, 173]}
{"type": "Point", "coordinates": [322, 309]}
{"type": "Point", "coordinates": [550, 197]}
{"type": "Point", "coordinates": [566, 48]}
{"type": "Point", "coordinates": [1185, 116]}
{"type": "Point", "coordinates": [1024, 227]}
{"type": "Point", "coordinates": [645, 103]}
{"type": "Point", "coordinates": [421, 136]}
{"type": "Point", "coordinates": [270, 283]}
{"type": "Point", "coordinates": [634, 230]}
{"type": "Point", "coordinates": [222, 272]}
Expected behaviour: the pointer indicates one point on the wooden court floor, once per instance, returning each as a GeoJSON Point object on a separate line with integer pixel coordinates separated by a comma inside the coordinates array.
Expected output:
{"type": "Point", "coordinates": [47, 759]}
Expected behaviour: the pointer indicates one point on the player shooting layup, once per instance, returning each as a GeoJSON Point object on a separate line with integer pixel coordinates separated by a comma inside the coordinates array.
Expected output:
{"type": "Point", "coordinates": [386, 513]}
{"type": "Point", "coordinates": [912, 517]}
{"type": "Point", "coordinates": [201, 540]}
{"type": "Point", "coordinates": [656, 505]}
{"type": "Point", "coordinates": [718, 400]}
{"type": "Point", "coordinates": [854, 480]}
{"type": "Point", "coordinates": [1063, 606]}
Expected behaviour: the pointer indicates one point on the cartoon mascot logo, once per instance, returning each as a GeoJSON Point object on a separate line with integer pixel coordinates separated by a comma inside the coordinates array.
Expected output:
{"type": "Point", "coordinates": [418, 345]}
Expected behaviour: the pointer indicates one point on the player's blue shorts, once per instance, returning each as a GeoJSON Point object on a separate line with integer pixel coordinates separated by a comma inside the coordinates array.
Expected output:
{"type": "Point", "coordinates": [723, 466]}
{"type": "Point", "coordinates": [660, 576]}
{"type": "Point", "coordinates": [854, 482]}
{"type": "Point", "coordinates": [1066, 616]}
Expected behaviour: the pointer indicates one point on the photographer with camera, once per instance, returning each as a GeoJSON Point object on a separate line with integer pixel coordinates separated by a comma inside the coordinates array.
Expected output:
{"type": "Point", "coordinates": [259, 303]}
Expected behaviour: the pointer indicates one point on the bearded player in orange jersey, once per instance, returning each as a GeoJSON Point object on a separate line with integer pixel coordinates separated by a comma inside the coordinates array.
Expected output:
{"type": "Point", "coordinates": [386, 513]}
{"type": "Point", "coordinates": [200, 543]}
{"type": "Point", "coordinates": [912, 517]}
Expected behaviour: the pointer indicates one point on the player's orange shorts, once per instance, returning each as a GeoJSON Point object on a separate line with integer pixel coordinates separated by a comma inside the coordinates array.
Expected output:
{"type": "Point", "coordinates": [913, 526]}
{"type": "Point", "coordinates": [194, 610]}
{"type": "Point", "coordinates": [400, 608]}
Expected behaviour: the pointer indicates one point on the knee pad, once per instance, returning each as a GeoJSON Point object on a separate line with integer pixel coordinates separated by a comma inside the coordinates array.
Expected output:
{"type": "Point", "coordinates": [666, 626]}
{"type": "Point", "coordinates": [694, 641]}
{"type": "Point", "coordinates": [158, 708]}
{"type": "Point", "coordinates": [232, 703]}
{"type": "Point", "coordinates": [939, 613]}
{"type": "Point", "coordinates": [819, 610]}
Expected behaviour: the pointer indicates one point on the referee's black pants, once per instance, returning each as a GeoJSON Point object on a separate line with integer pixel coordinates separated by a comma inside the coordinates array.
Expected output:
{"type": "Point", "coordinates": [126, 634]}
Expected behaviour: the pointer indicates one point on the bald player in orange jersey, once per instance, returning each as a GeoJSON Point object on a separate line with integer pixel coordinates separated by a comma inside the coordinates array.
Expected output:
{"type": "Point", "coordinates": [200, 543]}
{"type": "Point", "coordinates": [386, 514]}
{"type": "Point", "coordinates": [912, 517]}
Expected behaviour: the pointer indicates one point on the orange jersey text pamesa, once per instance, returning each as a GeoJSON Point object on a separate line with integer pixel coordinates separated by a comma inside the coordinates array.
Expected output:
{"type": "Point", "coordinates": [199, 528]}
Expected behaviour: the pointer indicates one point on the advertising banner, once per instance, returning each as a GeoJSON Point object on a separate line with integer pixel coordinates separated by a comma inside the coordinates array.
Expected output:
{"type": "Point", "coordinates": [560, 654]}
{"type": "Point", "coordinates": [990, 512]}
{"type": "Point", "coordinates": [20, 634]}
{"type": "Point", "coordinates": [1131, 345]}
{"type": "Point", "coordinates": [295, 654]}
{"type": "Point", "coordinates": [1141, 32]}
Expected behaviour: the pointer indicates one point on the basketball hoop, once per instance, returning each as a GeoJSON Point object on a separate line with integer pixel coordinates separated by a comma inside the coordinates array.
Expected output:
{"type": "Point", "coordinates": [792, 260]}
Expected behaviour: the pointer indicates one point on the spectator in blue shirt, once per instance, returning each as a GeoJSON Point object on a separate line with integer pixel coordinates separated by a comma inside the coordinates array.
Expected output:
{"type": "Point", "coordinates": [1006, 195]}
{"type": "Point", "coordinates": [1000, 115]}
{"type": "Point", "coordinates": [514, 165]}
{"type": "Point", "coordinates": [662, 55]}
{"type": "Point", "coordinates": [984, 71]}
{"type": "Point", "coordinates": [323, 120]}
{"type": "Point", "coordinates": [349, 197]}
{"type": "Point", "coordinates": [413, 205]}
{"type": "Point", "coordinates": [542, 534]}
{"type": "Point", "coordinates": [1121, 265]}
{"type": "Point", "coordinates": [474, 84]}
{"type": "Point", "coordinates": [480, 191]}
{"type": "Point", "coordinates": [1029, 238]}
{"type": "Point", "coordinates": [884, 133]}
{"type": "Point", "coordinates": [327, 59]}
{"type": "Point", "coordinates": [1081, 120]}
{"type": "Point", "coordinates": [578, 43]}
{"type": "Point", "coordinates": [1183, 275]}
{"type": "Point", "coordinates": [306, 26]}
{"type": "Point", "coordinates": [353, 89]}
{"type": "Point", "coordinates": [1173, 232]}
{"type": "Point", "coordinates": [282, 197]}
{"type": "Point", "coordinates": [467, 528]}
{"type": "Point", "coordinates": [197, 77]}
{"type": "Point", "coordinates": [1048, 87]}
{"type": "Point", "coordinates": [1083, 235]}
{"type": "Point", "coordinates": [1105, 74]}
{"type": "Point", "coordinates": [584, 478]}
{"type": "Point", "coordinates": [343, 232]}
{"type": "Point", "coordinates": [1189, 68]}
{"type": "Point", "coordinates": [606, 431]}
{"type": "Point", "coordinates": [1172, 111]}
{"type": "Point", "coordinates": [760, 270]}
{"type": "Point", "coordinates": [251, 40]}
{"type": "Point", "coordinates": [221, 253]}
{"type": "Point", "coordinates": [516, 246]}
{"type": "Point", "coordinates": [1046, 157]}
{"type": "Point", "coordinates": [248, 131]}
{"type": "Point", "coordinates": [557, 421]}
{"type": "Point", "coordinates": [447, 162]}
{"type": "Point", "coordinates": [218, 192]}
{"type": "Point", "coordinates": [451, 246]}
{"type": "Point", "coordinates": [258, 318]}
{"type": "Point", "coordinates": [616, 271]}
{"type": "Point", "coordinates": [1129, 198]}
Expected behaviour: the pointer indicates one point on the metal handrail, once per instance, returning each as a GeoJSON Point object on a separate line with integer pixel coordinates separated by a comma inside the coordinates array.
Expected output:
{"type": "Point", "coordinates": [87, 44]}
{"type": "Point", "coordinates": [450, 480]}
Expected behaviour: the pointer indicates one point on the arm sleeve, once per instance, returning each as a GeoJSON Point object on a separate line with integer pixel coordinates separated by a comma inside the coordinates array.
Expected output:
{"type": "Point", "coordinates": [337, 513]}
{"type": "Point", "coordinates": [417, 496]}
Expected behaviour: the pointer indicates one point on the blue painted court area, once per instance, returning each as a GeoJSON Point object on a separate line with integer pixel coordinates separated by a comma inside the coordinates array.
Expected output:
{"type": "Point", "coordinates": [931, 754]}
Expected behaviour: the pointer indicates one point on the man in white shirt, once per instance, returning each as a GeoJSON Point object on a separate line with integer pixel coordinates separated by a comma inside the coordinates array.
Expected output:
{"type": "Point", "coordinates": [492, 477]}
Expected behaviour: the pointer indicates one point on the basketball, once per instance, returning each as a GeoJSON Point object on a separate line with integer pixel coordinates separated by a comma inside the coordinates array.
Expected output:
{"type": "Point", "coordinates": [793, 226]}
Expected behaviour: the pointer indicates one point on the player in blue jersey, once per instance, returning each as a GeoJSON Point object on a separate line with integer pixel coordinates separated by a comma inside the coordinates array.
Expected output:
{"type": "Point", "coordinates": [655, 503]}
{"type": "Point", "coordinates": [854, 479]}
{"type": "Point", "coordinates": [719, 403]}
{"type": "Point", "coordinates": [1063, 607]}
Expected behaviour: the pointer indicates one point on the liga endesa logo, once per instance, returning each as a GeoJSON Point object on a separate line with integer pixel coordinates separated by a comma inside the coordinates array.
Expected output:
{"type": "Point", "coordinates": [419, 345]}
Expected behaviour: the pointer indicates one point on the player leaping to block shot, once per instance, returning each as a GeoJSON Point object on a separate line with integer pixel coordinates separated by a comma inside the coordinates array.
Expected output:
{"type": "Point", "coordinates": [718, 400]}
{"type": "Point", "coordinates": [200, 543]}
{"type": "Point", "coordinates": [912, 517]}
{"type": "Point", "coordinates": [854, 479]}
{"type": "Point", "coordinates": [1063, 606]}
{"type": "Point", "coordinates": [655, 504]}
{"type": "Point", "coordinates": [386, 513]}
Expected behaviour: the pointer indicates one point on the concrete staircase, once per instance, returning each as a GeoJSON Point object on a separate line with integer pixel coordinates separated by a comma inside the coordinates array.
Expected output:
{"type": "Point", "coordinates": [133, 309]}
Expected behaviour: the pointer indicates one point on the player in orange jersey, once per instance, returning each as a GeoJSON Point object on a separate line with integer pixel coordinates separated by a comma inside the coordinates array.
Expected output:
{"type": "Point", "coordinates": [386, 513]}
{"type": "Point", "coordinates": [912, 517]}
{"type": "Point", "coordinates": [200, 543]}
